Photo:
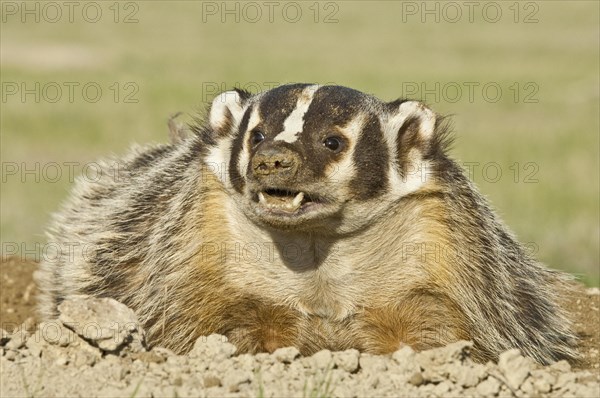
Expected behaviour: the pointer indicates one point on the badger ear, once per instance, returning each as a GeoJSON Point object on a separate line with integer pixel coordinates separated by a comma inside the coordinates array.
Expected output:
{"type": "Point", "coordinates": [411, 122]}
{"type": "Point", "coordinates": [411, 127]}
{"type": "Point", "coordinates": [226, 111]}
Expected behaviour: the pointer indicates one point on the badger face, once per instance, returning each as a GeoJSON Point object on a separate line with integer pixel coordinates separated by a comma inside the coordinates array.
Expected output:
{"type": "Point", "coordinates": [308, 157]}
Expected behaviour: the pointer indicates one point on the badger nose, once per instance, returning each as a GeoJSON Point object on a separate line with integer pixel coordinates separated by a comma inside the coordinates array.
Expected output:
{"type": "Point", "coordinates": [280, 162]}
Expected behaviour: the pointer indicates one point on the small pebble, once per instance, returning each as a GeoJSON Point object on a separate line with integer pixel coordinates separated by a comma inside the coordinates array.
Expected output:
{"type": "Point", "coordinates": [416, 379]}
{"type": "Point", "coordinates": [322, 359]}
{"type": "Point", "coordinates": [347, 360]}
{"type": "Point", "coordinates": [211, 381]}
{"type": "Point", "coordinates": [10, 355]}
{"type": "Point", "coordinates": [286, 355]}
{"type": "Point", "coordinates": [60, 361]}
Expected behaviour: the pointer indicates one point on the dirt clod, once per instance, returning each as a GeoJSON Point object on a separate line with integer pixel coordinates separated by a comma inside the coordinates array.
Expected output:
{"type": "Point", "coordinates": [515, 367]}
{"type": "Point", "coordinates": [347, 360]}
{"type": "Point", "coordinates": [104, 322]}
{"type": "Point", "coordinates": [286, 355]}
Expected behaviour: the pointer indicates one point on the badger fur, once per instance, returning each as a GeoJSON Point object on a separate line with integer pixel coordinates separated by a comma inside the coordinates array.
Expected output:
{"type": "Point", "coordinates": [308, 216]}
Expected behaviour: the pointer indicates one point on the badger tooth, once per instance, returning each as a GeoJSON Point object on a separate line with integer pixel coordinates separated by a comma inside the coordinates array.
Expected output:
{"type": "Point", "coordinates": [298, 199]}
{"type": "Point", "coordinates": [262, 199]}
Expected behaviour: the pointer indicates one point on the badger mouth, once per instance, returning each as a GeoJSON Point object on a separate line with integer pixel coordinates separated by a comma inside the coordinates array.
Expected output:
{"type": "Point", "coordinates": [285, 201]}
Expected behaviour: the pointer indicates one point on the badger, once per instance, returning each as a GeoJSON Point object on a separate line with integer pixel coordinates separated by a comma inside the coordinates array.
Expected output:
{"type": "Point", "coordinates": [311, 216]}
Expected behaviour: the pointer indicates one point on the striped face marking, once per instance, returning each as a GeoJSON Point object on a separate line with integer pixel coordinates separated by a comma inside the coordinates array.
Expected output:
{"type": "Point", "coordinates": [293, 177]}
{"type": "Point", "coordinates": [294, 124]}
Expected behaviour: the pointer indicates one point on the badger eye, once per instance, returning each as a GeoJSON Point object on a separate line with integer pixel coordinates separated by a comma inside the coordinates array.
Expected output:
{"type": "Point", "coordinates": [334, 144]}
{"type": "Point", "coordinates": [256, 137]}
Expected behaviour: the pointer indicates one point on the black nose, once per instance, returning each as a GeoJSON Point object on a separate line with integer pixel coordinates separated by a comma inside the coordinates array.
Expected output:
{"type": "Point", "coordinates": [275, 161]}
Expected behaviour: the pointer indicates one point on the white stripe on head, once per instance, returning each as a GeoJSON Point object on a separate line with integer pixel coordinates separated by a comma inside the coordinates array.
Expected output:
{"type": "Point", "coordinates": [253, 120]}
{"type": "Point", "coordinates": [389, 136]}
{"type": "Point", "coordinates": [294, 124]}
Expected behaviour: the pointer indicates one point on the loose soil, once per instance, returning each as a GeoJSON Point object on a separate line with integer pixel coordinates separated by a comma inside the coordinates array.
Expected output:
{"type": "Point", "coordinates": [211, 369]}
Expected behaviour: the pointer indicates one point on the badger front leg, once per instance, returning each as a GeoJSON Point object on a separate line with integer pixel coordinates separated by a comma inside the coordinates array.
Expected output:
{"type": "Point", "coordinates": [421, 321]}
{"type": "Point", "coordinates": [255, 326]}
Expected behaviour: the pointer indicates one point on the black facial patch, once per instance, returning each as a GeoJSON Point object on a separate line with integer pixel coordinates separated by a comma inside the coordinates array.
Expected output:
{"type": "Point", "coordinates": [371, 161]}
{"type": "Point", "coordinates": [332, 107]}
{"type": "Point", "coordinates": [236, 148]}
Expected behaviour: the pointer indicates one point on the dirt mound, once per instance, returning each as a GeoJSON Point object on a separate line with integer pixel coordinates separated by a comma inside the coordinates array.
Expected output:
{"type": "Point", "coordinates": [97, 348]}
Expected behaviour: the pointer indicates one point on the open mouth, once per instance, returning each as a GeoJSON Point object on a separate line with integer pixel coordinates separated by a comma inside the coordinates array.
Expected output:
{"type": "Point", "coordinates": [280, 200]}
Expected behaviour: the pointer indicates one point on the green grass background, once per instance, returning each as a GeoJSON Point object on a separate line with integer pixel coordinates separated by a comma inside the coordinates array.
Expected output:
{"type": "Point", "coordinates": [174, 51]}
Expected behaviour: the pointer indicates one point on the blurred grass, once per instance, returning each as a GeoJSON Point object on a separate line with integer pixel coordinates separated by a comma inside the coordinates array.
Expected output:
{"type": "Point", "coordinates": [174, 56]}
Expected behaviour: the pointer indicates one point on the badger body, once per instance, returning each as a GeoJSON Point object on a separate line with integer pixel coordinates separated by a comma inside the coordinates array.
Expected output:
{"type": "Point", "coordinates": [308, 216]}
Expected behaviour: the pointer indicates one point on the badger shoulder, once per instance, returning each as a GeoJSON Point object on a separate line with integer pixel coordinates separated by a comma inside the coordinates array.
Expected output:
{"type": "Point", "coordinates": [116, 208]}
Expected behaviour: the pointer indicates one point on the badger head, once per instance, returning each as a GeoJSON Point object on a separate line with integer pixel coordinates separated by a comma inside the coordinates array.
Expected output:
{"type": "Point", "coordinates": [319, 158]}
